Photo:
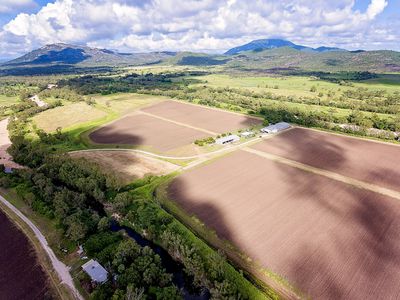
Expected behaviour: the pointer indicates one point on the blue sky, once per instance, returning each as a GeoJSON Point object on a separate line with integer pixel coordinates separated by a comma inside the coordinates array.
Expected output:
{"type": "Point", "coordinates": [196, 25]}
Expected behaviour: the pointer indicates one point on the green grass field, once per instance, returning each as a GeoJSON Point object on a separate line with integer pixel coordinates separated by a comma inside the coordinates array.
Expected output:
{"type": "Point", "coordinates": [8, 100]}
{"type": "Point", "coordinates": [72, 116]}
{"type": "Point", "coordinates": [297, 85]}
{"type": "Point", "coordinates": [67, 116]}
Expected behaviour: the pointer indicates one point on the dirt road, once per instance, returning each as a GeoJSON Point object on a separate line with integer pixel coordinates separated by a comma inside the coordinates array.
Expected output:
{"type": "Point", "coordinates": [37, 100]}
{"type": "Point", "coordinates": [61, 269]}
{"type": "Point", "coordinates": [5, 158]}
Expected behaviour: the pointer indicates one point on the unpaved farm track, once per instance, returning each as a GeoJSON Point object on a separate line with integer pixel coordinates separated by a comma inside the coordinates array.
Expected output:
{"type": "Point", "coordinates": [25, 278]}
{"type": "Point", "coordinates": [367, 161]}
{"type": "Point", "coordinates": [61, 269]}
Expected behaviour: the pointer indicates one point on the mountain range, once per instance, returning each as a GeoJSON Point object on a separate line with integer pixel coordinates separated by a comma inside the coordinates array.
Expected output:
{"type": "Point", "coordinates": [71, 54]}
{"type": "Point", "coordinates": [260, 45]}
{"type": "Point", "coordinates": [258, 55]}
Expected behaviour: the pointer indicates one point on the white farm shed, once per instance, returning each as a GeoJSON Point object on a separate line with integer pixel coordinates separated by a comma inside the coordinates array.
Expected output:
{"type": "Point", "coordinates": [96, 271]}
{"type": "Point", "coordinates": [276, 127]}
{"type": "Point", "coordinates": [227, 139]}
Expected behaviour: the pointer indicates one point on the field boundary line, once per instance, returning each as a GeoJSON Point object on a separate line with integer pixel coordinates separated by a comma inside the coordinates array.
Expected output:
{"type": "Point", "coordinates": [335, 176]}
{"type": "Point", "coordinates": [217, 109]}
{"type": "Point", "coordinates": [61, 269]}
{"type": "Point", "coordinates": [202, 155]}
{"type": "Point", "coordinates": [178, 123]}
{"type": "Point", "coordinates": [360, 138]}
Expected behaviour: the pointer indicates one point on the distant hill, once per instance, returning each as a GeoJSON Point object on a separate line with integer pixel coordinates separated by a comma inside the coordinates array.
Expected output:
{"type": "Point", "coordinates": [326, 61]}
{"type": "Point", "coordinates": [196, 59]}
{"type": "Point", "coordinates": [272, 55]}
{"type": "Point", "coordinates": [260, 45]}
{"type": "Point", "coordinates": [65, 54]}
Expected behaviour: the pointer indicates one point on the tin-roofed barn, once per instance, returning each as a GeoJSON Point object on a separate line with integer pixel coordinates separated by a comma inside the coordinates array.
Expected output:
{"type": "Point", "coordinates": [276, 127]}
{"type": "Point", "coordinates": [227, 139]}
{"type": "Point", "coordinates": [96, 271]}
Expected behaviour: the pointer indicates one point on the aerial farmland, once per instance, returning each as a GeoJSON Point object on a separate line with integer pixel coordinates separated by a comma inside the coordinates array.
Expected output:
{"type": "Point", "coordinates": [295, 203]}
{"type": "Point", "coordinates": [199, 150]}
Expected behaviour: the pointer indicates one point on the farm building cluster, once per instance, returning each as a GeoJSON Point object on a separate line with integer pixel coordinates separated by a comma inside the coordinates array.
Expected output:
{"type": "Point", "coordinates": [274, 128]}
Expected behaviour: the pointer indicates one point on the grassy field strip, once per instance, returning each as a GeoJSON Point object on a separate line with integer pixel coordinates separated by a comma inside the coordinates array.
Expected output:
{"type": "Point", "coordinates": [61, 269]}
{"type": "Point", "coordinates": [179, 123]}
{"type": "Point", "coordinates": [331, 175]}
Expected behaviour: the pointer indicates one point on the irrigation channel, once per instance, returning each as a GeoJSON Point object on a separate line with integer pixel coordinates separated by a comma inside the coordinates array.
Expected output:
{"type": "Point", "coordinates": [180, 279]}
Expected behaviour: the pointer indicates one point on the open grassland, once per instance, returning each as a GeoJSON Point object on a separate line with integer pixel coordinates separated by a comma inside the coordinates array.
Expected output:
{"type": "Point", "coordinates": [126, 102]}
{"type": "Point", "coordinates": [25, 277]}
{"type": "Point", "coordinates": [329, 239]}
{"type": "Point", "coordinates": [8, 100]}
{"type": "Point", "coordinates": [385, 80]}
{"type": "Point", "coordinates": [73, 116]}
{"type": "Point", "coordinates": [127, 166]}
{"type": "Point", "coordinates": [67, 116]}
{"type": "Point", "coordinates": [297, 85]}
{"type": "Point", "coordinates": [371, 162]}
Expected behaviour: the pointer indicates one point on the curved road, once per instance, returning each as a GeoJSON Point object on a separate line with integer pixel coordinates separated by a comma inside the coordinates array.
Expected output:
{"type": "Point", "coordinates": [226, 149]}
{"type": "Point", "coordinates": [61, 269]}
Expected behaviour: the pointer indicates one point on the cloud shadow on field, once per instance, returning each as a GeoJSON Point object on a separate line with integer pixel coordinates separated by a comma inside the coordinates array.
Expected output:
{"type": "Point", "coordinates": [112, 135]}
{"type": "Point", "coordinates": [356, 253]}
{"type": "Point", "coordinates": [202, 209]}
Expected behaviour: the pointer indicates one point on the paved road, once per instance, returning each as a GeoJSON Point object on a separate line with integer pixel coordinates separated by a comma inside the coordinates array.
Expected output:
{"type": "Point", "coordinates": [61, 269]}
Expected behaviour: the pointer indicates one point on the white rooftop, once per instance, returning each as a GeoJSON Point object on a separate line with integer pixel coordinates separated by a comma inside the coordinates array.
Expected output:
{"type": "Point", "coordinates": [227, 139]}
{"type": "Point", "coordinates": [276, 127]}
{"type": "Point", "coordinates": [95, 271]}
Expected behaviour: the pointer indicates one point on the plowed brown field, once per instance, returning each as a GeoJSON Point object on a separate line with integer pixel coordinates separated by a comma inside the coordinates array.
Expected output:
{"type": "Point", "coordinates": [203, 117]}
{"type": "Point", "coordinates": [21, 277]}
{"type": "Point", "coordinates": [331, 240]}
{"type": "Point", "coordinates": [368, 161]}
{"type": "Point", "coordinates": [148, 131]}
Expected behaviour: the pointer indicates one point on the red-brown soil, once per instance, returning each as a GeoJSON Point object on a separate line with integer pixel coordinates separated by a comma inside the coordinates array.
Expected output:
{"type": "Point", "coordinates": [372, 162]}
{"type": "Point", "coordinates": [331, 240]}
{"type": "Point", "coordinates": [147, 131]}
{"type": "Point", "coordinates": [21, 276]}
{"type": "Point", "coordinates": [202, 117]}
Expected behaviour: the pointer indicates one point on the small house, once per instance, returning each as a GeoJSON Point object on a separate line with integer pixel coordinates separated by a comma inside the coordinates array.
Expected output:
{"type": "Point", "coordinates": [227, 139]}
{"type": "Point", "coordinates": [96, 271]}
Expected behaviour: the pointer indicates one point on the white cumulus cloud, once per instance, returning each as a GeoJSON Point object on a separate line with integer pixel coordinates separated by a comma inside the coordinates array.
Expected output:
{"type": "Point", "coordinates": [197, 25]}
{"type": "Point", "coordinates": [7, 6]}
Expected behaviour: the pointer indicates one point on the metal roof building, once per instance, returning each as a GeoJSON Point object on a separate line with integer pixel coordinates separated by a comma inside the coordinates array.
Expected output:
{"type": "Point", "coordinates": [276, 127]}
{"type": "Point", "coordinates": [227, 139]}
{"type": "Point", "coordinates": [95, 271]}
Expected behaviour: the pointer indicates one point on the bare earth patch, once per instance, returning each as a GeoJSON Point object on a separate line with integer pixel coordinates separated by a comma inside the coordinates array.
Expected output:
{"type": "Point", "coordinates": [369, 161]}
{"type": "Point", "coordinates": [21, 275]}
{"type": "Point", "coordinates": [330, 239]}
{"type": "Point", "coordinates": [5, 143]}
{"type": "Point", "coordinates": [127, 166]}
{"type": "Point", "coordinates": [207, 118]}
{"type": "Point", "coordinates": [143, 130]}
